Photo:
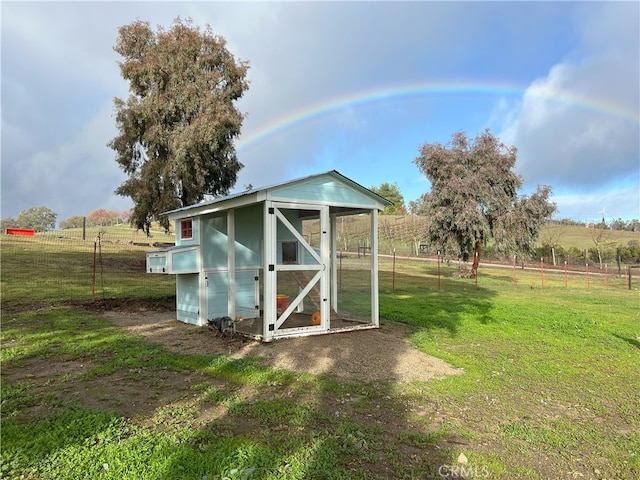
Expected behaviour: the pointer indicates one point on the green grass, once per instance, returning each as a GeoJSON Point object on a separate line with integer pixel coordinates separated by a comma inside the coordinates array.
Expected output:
{"type": "Point", "coordinates": [122, 233]}
{"type": "Point", "coordinates": [549, 390]}
{"type": "Point", "coordinates": [48, 270]}
{"type": "Point", "coordinates": [580, 237]}
{"type": "Point", "coordinates": [70, 440]}
{"type": "Point", "coordinates": [554, 369]}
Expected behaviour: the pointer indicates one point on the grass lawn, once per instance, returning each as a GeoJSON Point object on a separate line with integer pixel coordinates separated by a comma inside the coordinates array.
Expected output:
{"type": "Point", "coordinates": [551, 376]}
{"type": "Point", "coordinates": [46, 269]}
{"type": "Point", "coordinates": [549, 391]}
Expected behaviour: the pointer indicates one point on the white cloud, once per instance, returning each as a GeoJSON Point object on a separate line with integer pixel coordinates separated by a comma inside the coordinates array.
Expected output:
{"type": "Point", "coordinates": [575, 126]}
{"type": "Point", "coordinates": [59, 75]}
{"type": "Point", "coordinates": [620, 203]}
{"type": "Point", "coordinates": [313, 53]}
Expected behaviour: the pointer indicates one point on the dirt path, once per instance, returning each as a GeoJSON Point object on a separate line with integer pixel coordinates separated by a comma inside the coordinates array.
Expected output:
{"type": "Point", "coordinates": [383, 354]}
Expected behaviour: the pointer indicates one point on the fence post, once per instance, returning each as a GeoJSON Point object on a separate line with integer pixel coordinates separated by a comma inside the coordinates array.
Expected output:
{"type": "Point", "coordinates": [565, 273]}
{"type": "Point", "coordinates": [93, 284]}
{"type": "Point", "coordinates": [515, 283]}
{"type": "Point", "coordinates": [629, 276]}
{"type": "Point", "coordinates": [393, 274]}
{"type": "Point", "coordinates": [438, 269]}
{"type": "Point", "coordinates": [542, 271]}
{"type": "Point", "coordinates": [588, 275]}
{"type": "Point", "coordinates": [340, 276]}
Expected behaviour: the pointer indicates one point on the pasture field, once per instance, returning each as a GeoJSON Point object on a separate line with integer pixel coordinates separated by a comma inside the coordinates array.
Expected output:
{"type": "Point", "coordinates": [580, 237]}
{"type": "Point", "coordinates": [49, 269]}
{"type": "Point", "coordinates": [549, 389]}
{"type": "Point", "coordinates": [122, 232]}
{"type": "Point", "coordinates": [402, 232]}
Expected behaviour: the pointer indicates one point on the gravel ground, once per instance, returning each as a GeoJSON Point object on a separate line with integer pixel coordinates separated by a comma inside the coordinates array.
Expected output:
{"type": "Point", "coordinates": [381, 354]}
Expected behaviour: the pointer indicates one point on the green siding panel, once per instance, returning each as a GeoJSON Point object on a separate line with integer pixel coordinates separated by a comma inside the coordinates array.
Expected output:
{"type": "Point", "coordinates": [246, 300]}
{"type": "Point", "coordinates": [186, 261]}
{"type": "Point", "coordinates": [214, 241]}
{"type": "Point", "coordinates": [217, 294]}
{"type": "Point", "coordinates": [325, 190]}
{"type": "Point", "coordinates": [188, 298]}
{"type": "Point", "coordinates": [157, 262]}
{"type": "Point", "coordinates": [249, 235]}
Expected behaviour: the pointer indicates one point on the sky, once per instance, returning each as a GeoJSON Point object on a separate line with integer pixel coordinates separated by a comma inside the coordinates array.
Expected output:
{"type": "Point", "coordinates": [353, 86]}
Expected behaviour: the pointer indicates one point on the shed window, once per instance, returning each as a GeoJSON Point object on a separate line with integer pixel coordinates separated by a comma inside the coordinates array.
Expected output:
{"type": "Point", "coordinates": [289, 252]}
{"type": "Point", "coordinates": [186, 229]}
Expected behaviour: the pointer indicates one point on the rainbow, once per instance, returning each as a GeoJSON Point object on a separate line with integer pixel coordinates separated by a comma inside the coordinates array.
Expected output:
{"type": "Point", "coordinates": [320, 109]}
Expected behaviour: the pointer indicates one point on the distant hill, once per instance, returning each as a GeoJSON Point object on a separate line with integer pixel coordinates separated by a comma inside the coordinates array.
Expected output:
{"type": "Point", "coordinates": [122, 233]}
{"type": "Point", "coordinates": [404, 233]}
{"type": "Point", "coordinates": [581, 237]}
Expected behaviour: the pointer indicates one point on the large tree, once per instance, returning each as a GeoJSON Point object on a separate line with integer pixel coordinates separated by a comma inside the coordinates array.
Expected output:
{"type": "Point", "coordinates": [474, 197]}
{"type": "Point", "coordinates": [40, 219]}
{"type": "Point", "coordinates": [101, 216]}
{"type": "Point", "coordinates": [177, 128]}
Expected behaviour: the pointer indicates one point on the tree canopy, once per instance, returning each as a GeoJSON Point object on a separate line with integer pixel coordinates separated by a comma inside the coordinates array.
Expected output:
{"type": "Point", "coordinates": [176, 130]}
{"type": "Point", "coordinates": [74, 221]}
{"type": "Point", "coordinates": [40, 219]}
{"type": "Point", "coordinates": [392, 193]}
{"type": "Point", "coordinates": [474, 197]}
{"type": "Point", "coordinates": [7, 222]}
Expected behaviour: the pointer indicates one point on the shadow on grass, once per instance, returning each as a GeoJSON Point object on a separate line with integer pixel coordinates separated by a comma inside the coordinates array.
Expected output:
{"type": "Point", "coordinates": [421, 304]}
{"type": "Point", "coordinates": [95, 392]}
{"type": "Point", "coordinates": [630, 341]}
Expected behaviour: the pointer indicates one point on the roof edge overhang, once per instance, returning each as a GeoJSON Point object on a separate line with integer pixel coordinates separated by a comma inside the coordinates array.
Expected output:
{"type": "Point", "coordinates": [252, 197]}
{"type": "Point", "coordinates": [218, 205]}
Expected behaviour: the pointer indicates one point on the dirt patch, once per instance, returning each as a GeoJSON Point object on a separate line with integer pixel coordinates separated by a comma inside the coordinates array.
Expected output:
{"type": "Point", "coordinates": [138, 305]}
{"type": "Point", "coordinates": [382, 354]}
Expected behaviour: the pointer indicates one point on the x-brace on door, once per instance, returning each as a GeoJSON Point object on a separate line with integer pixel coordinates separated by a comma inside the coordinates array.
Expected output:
{"type": "Point", "coordinates": [301, 269]}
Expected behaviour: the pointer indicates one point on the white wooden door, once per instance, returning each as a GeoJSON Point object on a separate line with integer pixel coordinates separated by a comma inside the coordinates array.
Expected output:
{"type": "Point", "coordinates": [301, 268]}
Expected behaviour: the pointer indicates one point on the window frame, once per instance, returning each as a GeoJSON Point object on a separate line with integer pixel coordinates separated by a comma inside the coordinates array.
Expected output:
{"type": "Point", "coordinates": [184, 229]}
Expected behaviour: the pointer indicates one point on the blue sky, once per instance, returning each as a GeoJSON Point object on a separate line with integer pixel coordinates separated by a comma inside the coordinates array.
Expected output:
{"type": "Point", "coordinates": [351, 86]}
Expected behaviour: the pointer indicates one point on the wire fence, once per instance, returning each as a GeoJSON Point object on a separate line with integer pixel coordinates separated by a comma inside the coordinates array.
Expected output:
{"type": "Point", "coordinates": [442, 273]}
{"type": "Point", "coordinates": [97, 264]}
{"type": "Point", "coordinates": [80, 265]}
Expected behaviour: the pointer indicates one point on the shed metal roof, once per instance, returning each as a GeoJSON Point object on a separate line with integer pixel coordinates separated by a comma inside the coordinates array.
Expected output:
{"type": "Point", "coordinates": [259, 194]}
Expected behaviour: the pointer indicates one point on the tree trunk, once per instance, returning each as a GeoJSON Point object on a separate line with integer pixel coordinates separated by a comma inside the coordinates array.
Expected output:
{"type": "Point", "coordinates": [600, 258]}
{"type": "Point", "coordinates": [476, 260]}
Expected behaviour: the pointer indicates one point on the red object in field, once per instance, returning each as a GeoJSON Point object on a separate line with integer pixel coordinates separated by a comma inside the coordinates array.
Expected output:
{"type": "Point", "coordinates": [25, 232]}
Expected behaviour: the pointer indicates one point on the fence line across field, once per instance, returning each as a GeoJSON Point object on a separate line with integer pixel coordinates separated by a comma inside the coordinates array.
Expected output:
{"type": "Point", "coordinates": [112, 265]}
{"type": "Point", "coordinates": [104, 265]}
{"type": "Point", "coordinates": [566, 275]}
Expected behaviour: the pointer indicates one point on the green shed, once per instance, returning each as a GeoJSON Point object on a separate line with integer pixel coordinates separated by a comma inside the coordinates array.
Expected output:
{"type": "Point", "coordinates": [294, 259]}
